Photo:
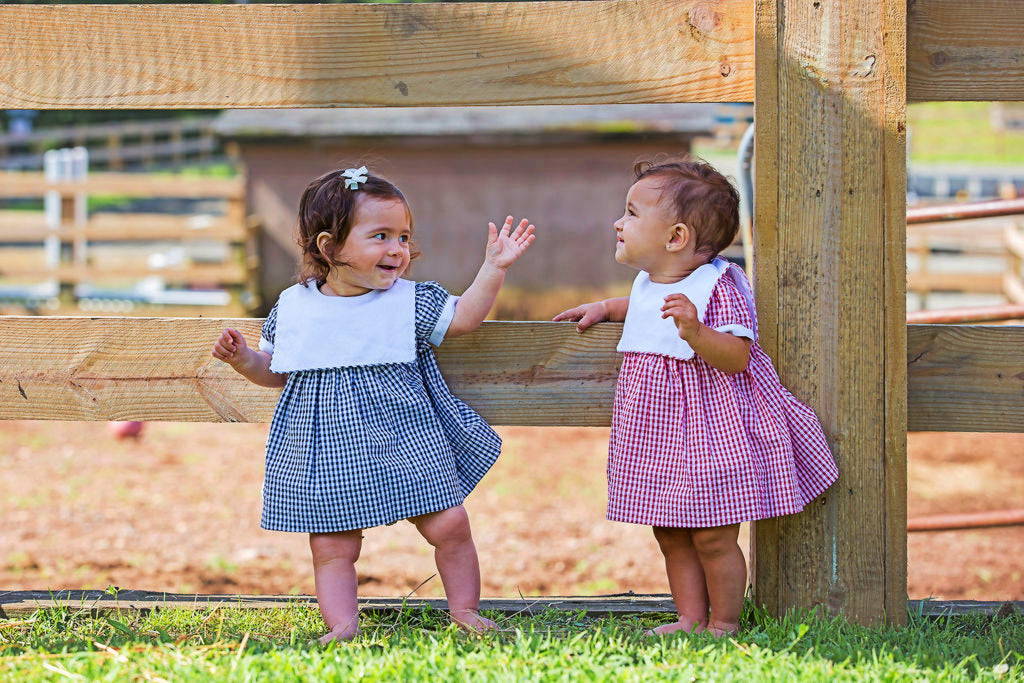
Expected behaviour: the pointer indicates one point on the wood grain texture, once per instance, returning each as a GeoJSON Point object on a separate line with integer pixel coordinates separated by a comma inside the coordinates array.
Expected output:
{"type": "Point", "coordinates": [824, 130]}
{"type": "Point", "coordinates": [961, 378]}
{"type": "Point", "coordinates": [965, 50]}
{"type": "Point", "coordinates": [161, 369]}
{"type": "Point", "coordinates": [764, 536]}
{"type": "Point", "coordinates": [607, 51]}
{"type": "Point", "coordinates": [970, 378]}
{"type": "Point", "coordinates": [894, 254]}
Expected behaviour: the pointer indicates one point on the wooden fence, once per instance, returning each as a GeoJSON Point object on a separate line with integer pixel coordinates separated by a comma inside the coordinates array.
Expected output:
{"type": "Point", "coordinates": [976, 257]}
{"type": "Point", "coordinates": [114, 146]}
{"type": "Point", "coordinates": [830, 92]}
{"type": "Point", "coordinates": [114, 251]}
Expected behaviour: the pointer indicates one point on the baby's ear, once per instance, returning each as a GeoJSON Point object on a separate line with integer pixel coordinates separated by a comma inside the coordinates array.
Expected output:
{"type": "Point", "coordinates": [679, 236]}
{"type": "Point", "coordinates": [325, 244]}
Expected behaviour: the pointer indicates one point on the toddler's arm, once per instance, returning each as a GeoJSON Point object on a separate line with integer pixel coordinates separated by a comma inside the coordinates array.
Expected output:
{"type": "Point", "coordinates": [721, 350]}
{"type": "Point", "coordinates": [252, 364]}
{"type": "Point", "coordinates": [595, 312]}
{"type": "Point", "coordinates": [504, 247]}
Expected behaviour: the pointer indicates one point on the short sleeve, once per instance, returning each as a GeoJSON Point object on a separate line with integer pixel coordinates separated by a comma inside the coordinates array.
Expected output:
{"type": "Point", "coordinates": [268, 331]}
{"type": "Point", "coordinates": [728, 310]}
{"type": "Point", "coordinates": [435, 309]}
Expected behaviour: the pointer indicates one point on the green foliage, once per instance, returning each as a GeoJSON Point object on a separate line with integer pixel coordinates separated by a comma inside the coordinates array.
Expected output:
{"type": "Point", "coordinates": [242, 644]}
{"type": "Point", "coordinates": [960, 133]}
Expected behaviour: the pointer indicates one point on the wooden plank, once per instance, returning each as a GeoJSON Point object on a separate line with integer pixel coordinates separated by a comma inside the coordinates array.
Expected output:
{"type": "Point", "coordinates": [984, 283]}
{"type": "Point", "coordinates": [894, 255]}
{"type": "Point", "coordinates": [969, 378]}
{"type": "Point", "coordinates": [961, 378]}
{"type": "Point", "coordinates": [965, 50]}
{"type": "Point", "coordinates": [828, 130]}
{"type": "Point", "coordinates": [954, 608]}
{"type": "Point", "coordinates": [25, 226]}
{"type": "Point", "coordinates": [212, 273]}
{"type": "Point", "coordinates": [127, 184]}
{"type": "Point", "coordinates": [765, 535]}
{"type": "Point", "coordinates": [138, 368]}
{"type": "Point", "coordinates": [609, 51]}
{"type": "Point", "coordinates": [100, 603]}
{"type": "Point", "coordinates": [168, 56]}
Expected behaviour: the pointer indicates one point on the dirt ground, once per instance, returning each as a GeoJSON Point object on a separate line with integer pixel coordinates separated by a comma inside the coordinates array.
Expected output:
{"type": "Point", "coordinates": [178, 510]}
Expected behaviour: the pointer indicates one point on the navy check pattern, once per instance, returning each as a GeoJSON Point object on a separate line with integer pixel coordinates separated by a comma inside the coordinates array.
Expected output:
{"type": "Point", "coordinates": [360, 446]}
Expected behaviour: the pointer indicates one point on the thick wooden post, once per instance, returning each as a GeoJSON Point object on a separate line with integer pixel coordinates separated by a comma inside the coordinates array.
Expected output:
{"type": "Point", "coordinates": [830, 236]}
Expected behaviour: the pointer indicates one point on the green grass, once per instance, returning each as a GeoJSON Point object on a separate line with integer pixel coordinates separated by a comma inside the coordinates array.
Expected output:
{"type": "Point", "coordinates": [230, 644]}
{"type": "Point", "coordinates": [960, 132]}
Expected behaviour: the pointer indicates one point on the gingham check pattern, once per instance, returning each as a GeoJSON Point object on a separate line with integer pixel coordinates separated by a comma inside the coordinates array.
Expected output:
{"type": "Point", "coordinates": [361, 446]}
{"type": "Point", "coordinates": [693, 447]}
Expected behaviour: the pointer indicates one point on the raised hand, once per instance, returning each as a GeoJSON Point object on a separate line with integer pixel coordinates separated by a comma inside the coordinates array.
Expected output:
{"type": "Point", "coordinates": [585, 315]}
{"type": "Point", "coordinates": [230, 347]}
{"type": "Point", "coordinates": [682, 310]}
{"type": "Point", "coordinates": [506, 245]}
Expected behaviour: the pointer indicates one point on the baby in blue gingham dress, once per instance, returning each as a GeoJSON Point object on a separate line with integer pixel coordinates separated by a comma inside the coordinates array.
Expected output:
{"type": "Point", "coordinates": [366, 432]}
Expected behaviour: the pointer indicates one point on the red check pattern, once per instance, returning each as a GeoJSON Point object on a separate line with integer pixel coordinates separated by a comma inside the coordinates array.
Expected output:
{"type": "Point", "coordinates": [693, 447]}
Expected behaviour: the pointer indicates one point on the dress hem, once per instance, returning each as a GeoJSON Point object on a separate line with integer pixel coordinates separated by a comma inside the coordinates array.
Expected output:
{"type": "Point", "coordinates": [334, 529]}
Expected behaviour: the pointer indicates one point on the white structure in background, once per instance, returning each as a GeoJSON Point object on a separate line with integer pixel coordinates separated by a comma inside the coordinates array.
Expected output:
{"type": "Point", "coordinates": [64, 165]}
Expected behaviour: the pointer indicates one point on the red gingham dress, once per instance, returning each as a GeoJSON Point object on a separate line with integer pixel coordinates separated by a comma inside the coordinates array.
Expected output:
{"type": "Point", "coordinates": [694, 447]}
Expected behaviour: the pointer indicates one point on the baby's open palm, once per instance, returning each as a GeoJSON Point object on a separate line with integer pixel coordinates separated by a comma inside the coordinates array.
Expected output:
{"type": "Point", "coordinates": [506, 245]}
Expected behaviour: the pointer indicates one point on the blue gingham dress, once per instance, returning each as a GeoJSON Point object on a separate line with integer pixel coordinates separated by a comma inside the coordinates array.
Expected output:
{"type": "Point", "coordinates": [360, 446]}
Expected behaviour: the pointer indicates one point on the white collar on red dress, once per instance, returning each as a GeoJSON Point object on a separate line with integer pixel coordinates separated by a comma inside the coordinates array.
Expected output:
{"type": "Point", "coordinates": [645, 331]}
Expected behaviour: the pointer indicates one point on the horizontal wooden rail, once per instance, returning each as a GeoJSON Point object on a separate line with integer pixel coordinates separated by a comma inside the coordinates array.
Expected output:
{"type": "Point", "coordinates": [209, 273]}
{"type": "Point", "coordinates": [128, 184]}
{"type": "Point", "coordinates": [607, 51]}
{"type": "Point", "coordinates": [29, 227]}
{"type": "Point", "coordinates": [100, 603]}
{"type": "Point", "coordinates": [965, 50]}
{"type": "Point", "coordinates": [977, 283]}
{"type": "Point", "coordinates": [960, 378]}
{"type": "Point", "coordinates": [177, 56]}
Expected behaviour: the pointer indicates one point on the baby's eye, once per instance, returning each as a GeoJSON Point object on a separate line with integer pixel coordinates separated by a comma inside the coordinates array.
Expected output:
{"type": "Point", "coordinates": [631, 212]}
{"type": "Point", "coordinates": [404, 238]}
{"type": "Point", "coordinates": [379, 236]}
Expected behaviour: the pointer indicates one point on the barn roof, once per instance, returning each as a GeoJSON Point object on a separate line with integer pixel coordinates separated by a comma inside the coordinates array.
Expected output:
{"type": "Point", "coordinates": [691, 119]}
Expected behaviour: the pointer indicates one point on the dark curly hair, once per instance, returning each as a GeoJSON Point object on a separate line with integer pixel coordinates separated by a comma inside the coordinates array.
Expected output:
{"type": "Point", "coordinates": [699, 196]}
{"type": "Point", "coordinates": [327, 205]}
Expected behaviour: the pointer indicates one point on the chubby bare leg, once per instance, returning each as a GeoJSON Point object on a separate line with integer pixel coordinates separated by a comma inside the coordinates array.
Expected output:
{"type": "Point", "coordinates": [457, 563]}
{"type": "Point", "coordinates": [334, 571]}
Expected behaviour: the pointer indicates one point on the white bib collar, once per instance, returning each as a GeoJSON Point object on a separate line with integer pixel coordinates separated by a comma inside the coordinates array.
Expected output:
{"type": "Point", "coordinates": [645, 331]}
{"type": "Point", "coordinates": [317, 331]}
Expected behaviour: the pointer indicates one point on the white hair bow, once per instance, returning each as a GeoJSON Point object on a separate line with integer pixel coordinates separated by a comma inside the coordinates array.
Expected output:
{"type": "Point", "coordinates": [355, 176]}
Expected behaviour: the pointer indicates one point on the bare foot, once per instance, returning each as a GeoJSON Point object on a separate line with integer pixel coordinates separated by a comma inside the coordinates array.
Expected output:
{"type": "Point", "coordinates": [691, 626]}
{"type": "Point", "coordinates": [340, 634]}
{"type": "Point", "coordinates": [471, 621]}
{"type": "Point", "coordinates": [723, 630]}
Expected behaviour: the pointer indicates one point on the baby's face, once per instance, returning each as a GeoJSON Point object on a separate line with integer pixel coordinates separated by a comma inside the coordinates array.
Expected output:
{"type": "Point", "coordinates": [645, 226]}
{"type": "Point", "coordinates": [377, 249]}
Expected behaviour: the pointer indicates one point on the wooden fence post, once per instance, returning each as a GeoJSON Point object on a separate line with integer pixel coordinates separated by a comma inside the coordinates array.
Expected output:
{"type": "Point", "coordinates": [830, 111]}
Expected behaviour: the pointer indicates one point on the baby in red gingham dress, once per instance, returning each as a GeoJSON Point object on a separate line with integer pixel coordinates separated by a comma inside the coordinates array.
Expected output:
{"type": "Point", "coordinates": [704, 436]}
